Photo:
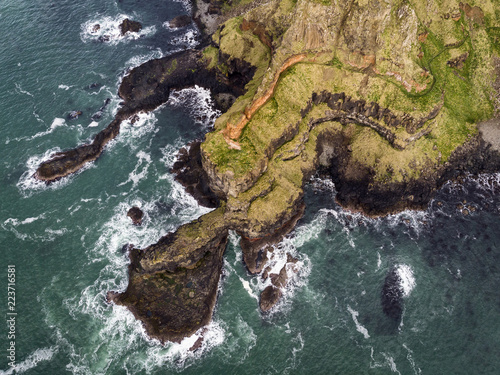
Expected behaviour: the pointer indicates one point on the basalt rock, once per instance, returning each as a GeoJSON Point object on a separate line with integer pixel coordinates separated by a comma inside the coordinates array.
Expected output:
{"type": "Point", "coordinates": [179, 21]}
{"type": "Point", "coordinates": [190, 173]}
{"type": "Point", "coordinates": [130, 26]}
{"type": "Point", "coordinates": [74, 115]}
{"type": "Point", "coordinates": [269, 298]}
{"type": "Point", "coordinates": [136, 214]}
{"type": "Point", "coordinates": [64, 163]}
{"type": "Point", "coordinates": [143, 89]}
{"type": "Point", "coordinates": [322, 94]}
{"type": "Point", "coordinates": [175, 299]}
{"type": "Point", "coordinates": [279, 280]}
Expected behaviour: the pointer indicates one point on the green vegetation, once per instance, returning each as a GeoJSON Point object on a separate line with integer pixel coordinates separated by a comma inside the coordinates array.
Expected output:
{"type": "Point", "coordinates": [412, 74]}
{"type": "Point", "coordinates": [211, 56]}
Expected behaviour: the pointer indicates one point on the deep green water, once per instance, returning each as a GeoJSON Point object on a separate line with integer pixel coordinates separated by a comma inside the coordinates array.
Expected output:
{"type": "Point", "coordinates": [65, 240]}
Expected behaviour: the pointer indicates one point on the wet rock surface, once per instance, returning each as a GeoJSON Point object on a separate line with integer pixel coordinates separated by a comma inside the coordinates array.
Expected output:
{"type": "Point", "coordinates": [392, 296]}
{"type": "Point", "coordinates": [269, 298]}
{"type": "Point", "coordinates": [130, 26]}
{"type": "Point", "coordinates": [179, 21]}
{"type": "Point", "coordinates": [136, 214]}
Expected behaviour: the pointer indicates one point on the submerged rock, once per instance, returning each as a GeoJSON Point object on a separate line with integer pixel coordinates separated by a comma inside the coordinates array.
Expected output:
{"type": "Point", "coordinates": [392, 295]}
{"type": "Point", "coordinates": [96, 116]}
{"type": "Point", "coordinates": [74, 115]}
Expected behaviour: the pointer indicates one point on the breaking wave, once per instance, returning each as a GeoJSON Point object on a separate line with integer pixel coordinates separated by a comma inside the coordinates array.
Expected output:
{"type": "Point", "coordinates": [107, 30]}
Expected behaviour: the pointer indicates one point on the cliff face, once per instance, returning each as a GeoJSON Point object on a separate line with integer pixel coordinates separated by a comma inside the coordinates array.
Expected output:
{"type": "Point", "coordinates": [385, 96]}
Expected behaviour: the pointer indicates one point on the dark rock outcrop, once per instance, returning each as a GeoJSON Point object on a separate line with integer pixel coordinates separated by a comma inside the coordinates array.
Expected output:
{"type": "Point", "coordinates": [175, 299]}
{"type": "Point", "coordinates": [269, 298]}
{"type": "Point", "coordinates": [357, 189]}
{"type": "Point", "coordinates": [279, 280]}
{"type": "Point", "coordinates": [136, 214]}
{"type": "Point", "coordinates": [179, 21]}
{"type": "Point", "coordinates": [64, 163]}
{"type": "Point", "coordinates": [130, 26]}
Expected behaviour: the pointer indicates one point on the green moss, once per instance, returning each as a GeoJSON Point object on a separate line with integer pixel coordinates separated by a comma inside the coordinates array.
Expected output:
{"type": "Point", "coordinates": [211, 57]}
{"type": "Point", "coordinates": [172, 67]}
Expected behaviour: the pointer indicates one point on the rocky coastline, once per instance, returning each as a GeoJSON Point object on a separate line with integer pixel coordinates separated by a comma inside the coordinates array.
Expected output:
{"type": "Point", "coordinates": [310, 98]}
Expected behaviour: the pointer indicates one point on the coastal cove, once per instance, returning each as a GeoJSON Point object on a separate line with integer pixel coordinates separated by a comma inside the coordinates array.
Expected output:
{"type": "Point", "coordinates": [301, 203]}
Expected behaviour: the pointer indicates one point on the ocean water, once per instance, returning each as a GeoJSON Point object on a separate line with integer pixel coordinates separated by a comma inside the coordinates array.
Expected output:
{"type": "Point", "coordinates": [65, 240]}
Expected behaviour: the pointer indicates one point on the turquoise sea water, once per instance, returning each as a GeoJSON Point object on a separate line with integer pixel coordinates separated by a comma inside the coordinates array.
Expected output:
{"type": "Point", "coordinates": [66, 239]}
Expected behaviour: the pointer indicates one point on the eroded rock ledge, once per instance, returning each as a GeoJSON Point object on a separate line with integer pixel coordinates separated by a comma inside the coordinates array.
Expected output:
{"type": "Point", "coordinates": [145, 88]}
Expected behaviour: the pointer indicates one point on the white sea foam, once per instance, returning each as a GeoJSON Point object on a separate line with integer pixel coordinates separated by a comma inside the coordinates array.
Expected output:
{"type": "Point", "coordinates": [189, 39]}
{"type": "Point", "coordinates": [198, 102]}
{"type": "Point", "coordinates": [20, 90]}
{"type": "Point", "coordinates": [27, 235]}
{"type": "Point", "coordinates": [15, 222]}
{"type": "Point", "coordinates": [64, 87]}
{"type": "Point", "coordinates": [241, 339]}
{"type": "Point", "coordinates": [169, 153]}
{"type": "Point", "coordinates": [246, 286]}
{"type": "Point", "coordinates": [295, 350]}
{"type": "Point", "coordinates": [120, 334]}
{"type": "Point", "coordinates": [186, 3]}
{"type": "Point", "coordinates": [416, 370]}
{"type": "Point", "coordinates": [38, 118]}
{"type": "Point", "coordinates": [129, 132]}
{"type": "Point", "coordinates": [39, 355]}
{"type": "Point", "coordinates": [297, 273]}
{"type": "Point", "coordinates": [109, 30]}
{"type": "Point", "coordinates": [137, 175]}
{"type": "Point", "coordinates": [93, 124]}
{"type": "Point", "coordinates": [405, 273]}
{"type": "Point", "coordinates": [391, 363]}
{"type": "Point", "coordinates": [141, 59]}
{"type": "Point", "coordinates": [179, 354]}
{"type": "Point", "coordinates": [56, 123]}
{"type": "Point", "coordinates": [359, 327]}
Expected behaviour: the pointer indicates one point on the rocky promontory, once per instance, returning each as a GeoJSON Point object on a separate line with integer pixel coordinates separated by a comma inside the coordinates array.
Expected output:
{"type": "Point", "coordinates": [385, 98]}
